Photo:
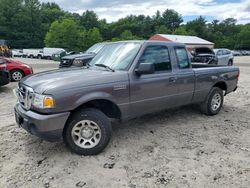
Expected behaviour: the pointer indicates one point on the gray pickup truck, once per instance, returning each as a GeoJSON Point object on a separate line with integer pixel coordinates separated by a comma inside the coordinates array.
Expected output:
{"type": "Point", "coordinates": [125, 80]}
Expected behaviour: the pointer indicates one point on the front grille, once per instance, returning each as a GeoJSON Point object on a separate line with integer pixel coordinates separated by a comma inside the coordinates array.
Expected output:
{"type": "Point", "coordinates": [25, 96]}
{"type": "Point", "coordinates": [66, 62]}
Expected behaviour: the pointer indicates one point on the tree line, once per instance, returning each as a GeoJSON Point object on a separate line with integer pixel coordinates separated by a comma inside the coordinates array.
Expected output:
{"type": "Point", "coordinates": [31, 24]}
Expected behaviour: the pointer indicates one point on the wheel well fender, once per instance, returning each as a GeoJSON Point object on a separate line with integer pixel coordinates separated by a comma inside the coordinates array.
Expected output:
{"type": "Point", "coordinates": [15, 69]}
{"type": "Point", "coordinates": [102, 101]}
{"type": "Point", "coordinates": [222, 85]}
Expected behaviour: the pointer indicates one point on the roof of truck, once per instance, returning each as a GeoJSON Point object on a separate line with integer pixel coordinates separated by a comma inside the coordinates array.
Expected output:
{"type": "Point", "coordinates": [150, 41]}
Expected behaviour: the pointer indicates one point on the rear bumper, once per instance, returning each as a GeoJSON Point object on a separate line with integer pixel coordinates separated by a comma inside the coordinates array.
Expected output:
{"type": "Point", "coordinates": [4, 78]}
{"type": "Point", "coordinates": [48, 127]}
{"type": "Point", "coordinates": [235, 88]}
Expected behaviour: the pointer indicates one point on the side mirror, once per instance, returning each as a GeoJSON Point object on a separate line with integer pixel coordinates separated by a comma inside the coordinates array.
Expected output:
{"type": "Point", "coordinates": [145, 68]}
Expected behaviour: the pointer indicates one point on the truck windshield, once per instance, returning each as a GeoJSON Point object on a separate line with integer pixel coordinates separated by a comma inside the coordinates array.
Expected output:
{"type": "Point", "coordinates": [117, 56]}
{"type": "Point", "coordinates": [95, 48]}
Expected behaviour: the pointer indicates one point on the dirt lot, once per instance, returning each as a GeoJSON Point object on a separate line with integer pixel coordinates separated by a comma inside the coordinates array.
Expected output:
{"type": "Point", "coordinates": [177, 148]}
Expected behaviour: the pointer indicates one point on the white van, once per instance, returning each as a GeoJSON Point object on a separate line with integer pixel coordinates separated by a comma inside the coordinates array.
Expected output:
{"type": "Point", "coordinates": [17, 53]}
{"type": "Point", "coordinates": [33, 53]}
{"type": "Point", "coordinates": [48, 52]}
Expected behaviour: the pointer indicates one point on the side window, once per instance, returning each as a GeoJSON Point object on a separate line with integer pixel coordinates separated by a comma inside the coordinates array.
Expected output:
{"type": "Point", "coordinates": [227, 52]}
{"type": "Point", "coordinates": [157, 55]}
{"type": "Point", "coordinates": [220, 53]}
{"type": "Point", "coordinates": [182, 57]}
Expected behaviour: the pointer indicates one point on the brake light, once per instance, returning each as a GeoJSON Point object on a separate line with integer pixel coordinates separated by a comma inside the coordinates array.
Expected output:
{"type": "Point", "coordinates": [238, 75]}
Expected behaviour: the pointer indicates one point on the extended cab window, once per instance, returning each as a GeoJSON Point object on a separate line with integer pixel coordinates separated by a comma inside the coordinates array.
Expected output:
{"type": "Point", "coordinates": [182, 57]}
{"type": "Point", "coordinates": [157, 55]}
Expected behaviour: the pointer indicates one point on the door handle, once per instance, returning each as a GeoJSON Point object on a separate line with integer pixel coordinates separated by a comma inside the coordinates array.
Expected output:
{"type": "Point", "coordinates": [172, 79]}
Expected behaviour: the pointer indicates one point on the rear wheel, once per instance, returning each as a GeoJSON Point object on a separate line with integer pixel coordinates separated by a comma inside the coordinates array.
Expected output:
{"type": "Point", "coordinates": [213, 103]}
{"type": "Point", "coordinates": [230, 62]}
{"type": "Point", "coordinates": [87, 132]}
{"type": "Point", "coordinates": [16, 75]}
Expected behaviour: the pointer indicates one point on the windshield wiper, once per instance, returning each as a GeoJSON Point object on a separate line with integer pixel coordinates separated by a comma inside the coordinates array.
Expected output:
{"type": "Point", "coordinates": [105, 66]}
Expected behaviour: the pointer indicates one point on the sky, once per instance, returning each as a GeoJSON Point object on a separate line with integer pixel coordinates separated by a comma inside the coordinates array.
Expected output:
{"type": "Point", "coordinates": [112, 10]}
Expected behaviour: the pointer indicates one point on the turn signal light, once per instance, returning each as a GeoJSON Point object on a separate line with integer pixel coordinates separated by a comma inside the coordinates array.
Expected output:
{"type": "Point", "coordinates": [48, 102]}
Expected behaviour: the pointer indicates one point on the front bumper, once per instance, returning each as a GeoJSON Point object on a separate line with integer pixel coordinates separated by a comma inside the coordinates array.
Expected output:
{"type": "Point", "coordinates": [28, 71]}
{"type": "Point", "coordinates": [66, 63]}
{"type": "Point", "coordinates": [48, 127]}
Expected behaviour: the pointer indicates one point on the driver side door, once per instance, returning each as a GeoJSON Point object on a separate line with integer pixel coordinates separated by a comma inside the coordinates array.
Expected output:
{"type": "Point", "coordinates": [153, 92]}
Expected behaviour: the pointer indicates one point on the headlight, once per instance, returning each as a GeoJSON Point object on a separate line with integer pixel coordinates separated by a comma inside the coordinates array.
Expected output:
{"type": "Point", "coordinates": [43, 101]}
{"type": "Point", "coordinates": [77, 62]}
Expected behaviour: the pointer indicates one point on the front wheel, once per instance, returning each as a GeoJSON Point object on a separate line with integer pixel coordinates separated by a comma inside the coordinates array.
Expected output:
{"type": "Point", "coordinates": [87, 132]}
{"type": "Point", "coordinates": [16, 75]}
{"type": "Point", "coordinates": [213, 103]}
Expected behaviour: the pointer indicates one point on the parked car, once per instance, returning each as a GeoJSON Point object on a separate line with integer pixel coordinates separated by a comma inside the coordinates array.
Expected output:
{"type": "Point", "coordinates": [203, 55]}
{"type": "Point", "coordinates": [59, 55]}
{"type": "Point", "coordinates": [125, 80]}
{"type": "Point", "coordinates": [224, 56]}
{"type": "Point", "coordinates": [236, 53]}
{"type": "Point", "coordinates": [17, 69]}
{"type": "Point", "coordinates": [33, 53]}
{"type": "Point", "coordinates": [245, 52]}
{"type": "Point", "coordinates": [81, 59]}
{"type": "Point", "coordinates": [48, 52]}
{"type": "Point", "coordinates": [17, 53]}
{"type": "Point", "coordinates": [4, 74]}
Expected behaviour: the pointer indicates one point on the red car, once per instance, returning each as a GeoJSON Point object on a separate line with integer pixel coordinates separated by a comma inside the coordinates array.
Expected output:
{"type": "Point", "coordinates": [17, 69]}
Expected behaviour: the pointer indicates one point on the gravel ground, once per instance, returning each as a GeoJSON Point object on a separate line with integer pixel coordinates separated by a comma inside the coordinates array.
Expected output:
{"type": "Point", "coordinates": [175, 148]}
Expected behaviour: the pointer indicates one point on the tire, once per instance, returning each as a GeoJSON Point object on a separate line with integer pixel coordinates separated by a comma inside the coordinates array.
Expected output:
{"type": "Point", "coordinates": [230, 63]}
{"type": "Point", "coordinates": [16, 75]}
{"type": "Point", "coordinates": [39, 57]}
{"type": "Point", "coordinates": [213, 103]}
{"type": "Point", "coordinates": [83, 127]}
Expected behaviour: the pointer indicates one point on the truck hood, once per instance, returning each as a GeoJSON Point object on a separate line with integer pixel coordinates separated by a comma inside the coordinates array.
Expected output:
{"type": "Point", "coordinates": [63, 79]}
{"type": "Point", "coordinates": [81, 55]}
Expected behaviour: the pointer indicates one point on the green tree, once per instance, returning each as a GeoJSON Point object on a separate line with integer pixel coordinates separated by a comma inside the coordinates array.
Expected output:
{"type": "Point", "coordinates": [89, 20]}
{"type": "Point", "coordinates": [50, 12]}
{"type": "Point", "coordinates": [243, 40]}
{"type": "Point", "coordinates": [171, 19]}
{"type": "Point", "coordinates": [197, 27]}
{"type": "Point", "coordinates": [32, 24]}
{"type": "Point", "coordinates": [11, 22]}
{"type": "Point", "coordinates": [162, 29]}
{"type": "Point", "coordinates": [180, 31]}
{"type": "Point", "coordinates": [92, 36]}
{"type": "Point", "coordinates": [126, 35]}
{"type": "Point", "coordinates": [65, 34]}
{"type": "Point", "coordinates": [157, 19]}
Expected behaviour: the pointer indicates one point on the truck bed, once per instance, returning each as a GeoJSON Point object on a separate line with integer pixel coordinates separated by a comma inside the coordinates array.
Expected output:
{"type": "Point", "coordinates": [204, 65]}
{"type": "Point", "coordinates": [206, 76]}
